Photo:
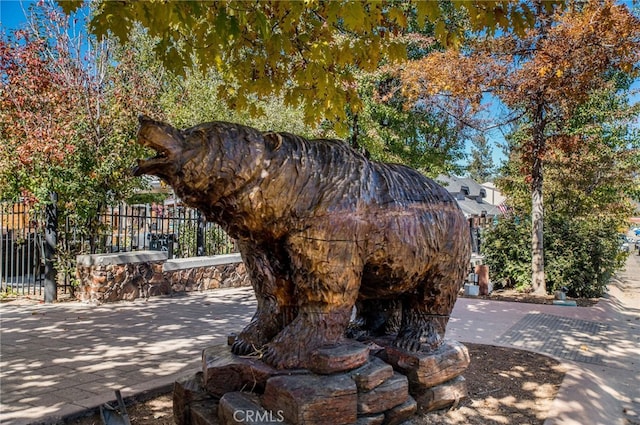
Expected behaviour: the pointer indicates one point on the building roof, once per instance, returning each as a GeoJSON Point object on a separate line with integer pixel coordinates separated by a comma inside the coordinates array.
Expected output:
{"type": "Point", "coordinates": [469, 194]}
{"type": "Point", "coordinates": [472, 207]}
{"type": "Point", "coordinates": [465, 185]}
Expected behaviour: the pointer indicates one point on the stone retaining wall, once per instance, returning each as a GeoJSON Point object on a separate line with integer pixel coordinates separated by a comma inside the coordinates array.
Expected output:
{"type": "Point", "coordinates": [143, 274]}
{"type": "Point", "coordinates": [202, 273]}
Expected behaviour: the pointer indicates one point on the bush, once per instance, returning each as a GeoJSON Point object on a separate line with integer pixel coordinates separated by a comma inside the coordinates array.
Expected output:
{"type": "Point", "coordinates": [507, 251]}
{"type": "Point", "coordinates": [580, 254]}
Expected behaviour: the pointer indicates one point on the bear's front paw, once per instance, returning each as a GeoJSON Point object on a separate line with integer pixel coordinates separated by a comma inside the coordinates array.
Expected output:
{"type": "Point", "coordinates": [280, 358]}
{"type": "Point", "coordinates": [252, 338]}
{"type": "Point", "coordinates": [241, 347]}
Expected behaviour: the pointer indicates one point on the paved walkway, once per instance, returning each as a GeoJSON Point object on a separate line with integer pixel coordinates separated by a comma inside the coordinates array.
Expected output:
{"type": "Point", "coordinates": [600, 345]}
{"type": "Point", "coordinates": [59, 360]}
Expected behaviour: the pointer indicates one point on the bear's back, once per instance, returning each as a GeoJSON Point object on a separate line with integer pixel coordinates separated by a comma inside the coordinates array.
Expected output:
{"type": "Point", "coordinates": [333, 166]}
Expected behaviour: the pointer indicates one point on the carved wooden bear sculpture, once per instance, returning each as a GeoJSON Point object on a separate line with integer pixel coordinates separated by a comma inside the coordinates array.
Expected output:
{"type": "Point", "coordinates": [320, 228]}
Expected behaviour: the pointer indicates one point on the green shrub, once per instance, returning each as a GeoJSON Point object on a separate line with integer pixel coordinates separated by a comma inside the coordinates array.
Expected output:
{"type": "Point", "coordinates": [507, 250]}
{"type": "Point", "coordinates": [580, 254]}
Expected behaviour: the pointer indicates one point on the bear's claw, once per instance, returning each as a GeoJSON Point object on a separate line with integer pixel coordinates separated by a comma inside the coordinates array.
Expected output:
{"type": "Point", "coordinates": [241, 347]}
{"type": "Point", "coordinates": [278, 359]}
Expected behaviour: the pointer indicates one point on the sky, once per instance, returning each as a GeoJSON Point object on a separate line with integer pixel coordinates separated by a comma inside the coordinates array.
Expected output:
{"type": "Point", "coordinates": [11, 13]}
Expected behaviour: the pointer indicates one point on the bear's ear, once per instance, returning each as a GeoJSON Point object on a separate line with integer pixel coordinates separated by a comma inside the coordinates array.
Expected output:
{"type": "Point", "coordinates": [142, 118]}
{"type": "Point", "coordinates": [273, 140]}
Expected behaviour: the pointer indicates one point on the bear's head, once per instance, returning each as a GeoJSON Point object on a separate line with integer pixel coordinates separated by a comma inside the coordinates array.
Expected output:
{"type": "Point", "coordinates": [202, 163]}
{"type": "Point", "coordinates": [169, 145]}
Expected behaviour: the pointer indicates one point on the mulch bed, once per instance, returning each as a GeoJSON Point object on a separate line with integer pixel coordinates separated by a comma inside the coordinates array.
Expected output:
{"type": "Point", "coordinates": [505, 386]}
{"type": "Point", "coordinates": [523, 297]}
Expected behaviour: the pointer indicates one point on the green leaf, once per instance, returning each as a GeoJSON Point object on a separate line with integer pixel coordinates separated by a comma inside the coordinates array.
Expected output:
{"type": "Point", "coordinates": [70, 6]}
{"type": "Point", "coordinates": [426, 11]}
{"type": "Point", "coordinates": [355, 17]}
{"type": "Point", "coordinates": [398, 15]}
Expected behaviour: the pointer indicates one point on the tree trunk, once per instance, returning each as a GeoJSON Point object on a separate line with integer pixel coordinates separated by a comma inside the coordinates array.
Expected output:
{"type": "Point", "coordinates": [354, 134]}
{"type": "Point", "coordinates": [538, 282]}
{"type": "Point", "coordinates": [537, 240]}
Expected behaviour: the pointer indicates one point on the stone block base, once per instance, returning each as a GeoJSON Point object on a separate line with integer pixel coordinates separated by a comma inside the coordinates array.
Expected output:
{"type": "Point", "coordinates": [245, 408]}
{"type": "Point", "coordinates": [225, 372]}
{"type": "Point", "coordinates": [427, 369]}
{"type": "Point", "coordinates": [189, 397]}
{"type": "Point", "coordinates": [313, 399]}
{"type": "Point", "coordinates": [443, 395]}
{"type": "Point", "coordinates": [339, 358]}
{"type": "Point", "coordinates": [347, 385]}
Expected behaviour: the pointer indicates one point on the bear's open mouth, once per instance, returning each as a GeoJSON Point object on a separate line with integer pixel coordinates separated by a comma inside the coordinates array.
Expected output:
{"type": "Point", "coordinates": [167, 143]}
{"type": "Point", "coordinates": [161, 151]}
{"type": "Point", "coordinates": [150, 164]}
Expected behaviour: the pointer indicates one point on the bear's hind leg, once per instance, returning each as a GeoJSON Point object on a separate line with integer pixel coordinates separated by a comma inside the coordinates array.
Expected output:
{"type": "Point", "coordinates": [375, 317]}
{"type": "Point", "coordinates": [421, 330]}
{"type": "Point", "coordinates": [425, 315]}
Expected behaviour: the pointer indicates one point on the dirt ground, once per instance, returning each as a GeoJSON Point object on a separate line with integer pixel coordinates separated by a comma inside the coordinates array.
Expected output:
{"type": "Point", "coordinates": [525, 297]}
{"type": "Point", "coordinates": [504, 385]}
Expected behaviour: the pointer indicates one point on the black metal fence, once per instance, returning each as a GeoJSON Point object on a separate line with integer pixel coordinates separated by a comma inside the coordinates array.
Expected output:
{"type": "Point", "coordinates": [21, 250]}
{"type": "Point", "coordinates": [181, 232]}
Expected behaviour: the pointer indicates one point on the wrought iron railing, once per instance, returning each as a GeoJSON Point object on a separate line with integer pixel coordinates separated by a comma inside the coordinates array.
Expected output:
{"type": "Point", "coordinates": [181, 232]}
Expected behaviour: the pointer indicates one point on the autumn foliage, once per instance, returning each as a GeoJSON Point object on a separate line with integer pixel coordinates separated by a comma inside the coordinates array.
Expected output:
{"type": "Point", "coordinates": [555, 66]}
{"type": "Point", "coordinates": [36, 104]}
{"type": "Point", "coordinates": [543, 76]}
{"type": "Point", "coordinates": [310, 52]}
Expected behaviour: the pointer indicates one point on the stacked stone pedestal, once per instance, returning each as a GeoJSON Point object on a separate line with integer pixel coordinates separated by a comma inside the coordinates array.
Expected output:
{"type": "Point", "coordinates": [435, 379]}
{"type": "Point", "coordinates": [351, 383]}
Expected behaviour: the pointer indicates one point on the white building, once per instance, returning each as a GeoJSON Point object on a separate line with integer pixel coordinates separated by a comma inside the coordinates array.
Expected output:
{"type": "Point", "coordinates": [493, 195]}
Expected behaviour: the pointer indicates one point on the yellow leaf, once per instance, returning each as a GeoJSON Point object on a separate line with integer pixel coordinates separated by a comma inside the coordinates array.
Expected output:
{"type": "Point", "coordinates": [396, 14]}
{"type": "Point", "coordinates": [427, 10]}
{"type": "Point", "coordinates": [345, 55]}
{"type": "Point", "coordinates": [355, 17]}
{"type": "Point", "coordinates": [218, 61]}
{"type": "Point", "coordinates": [397, 51]}
{"type": "Point", "coordinates": [441, 32]}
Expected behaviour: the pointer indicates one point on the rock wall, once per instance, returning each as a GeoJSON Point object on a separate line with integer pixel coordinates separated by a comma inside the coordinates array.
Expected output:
{"type": "Point", "coordinates": [211, 277]}
{"type": "Point", "coordinates": [125, 277]}
{"type": "Point", "coordinates": [121, 282]}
